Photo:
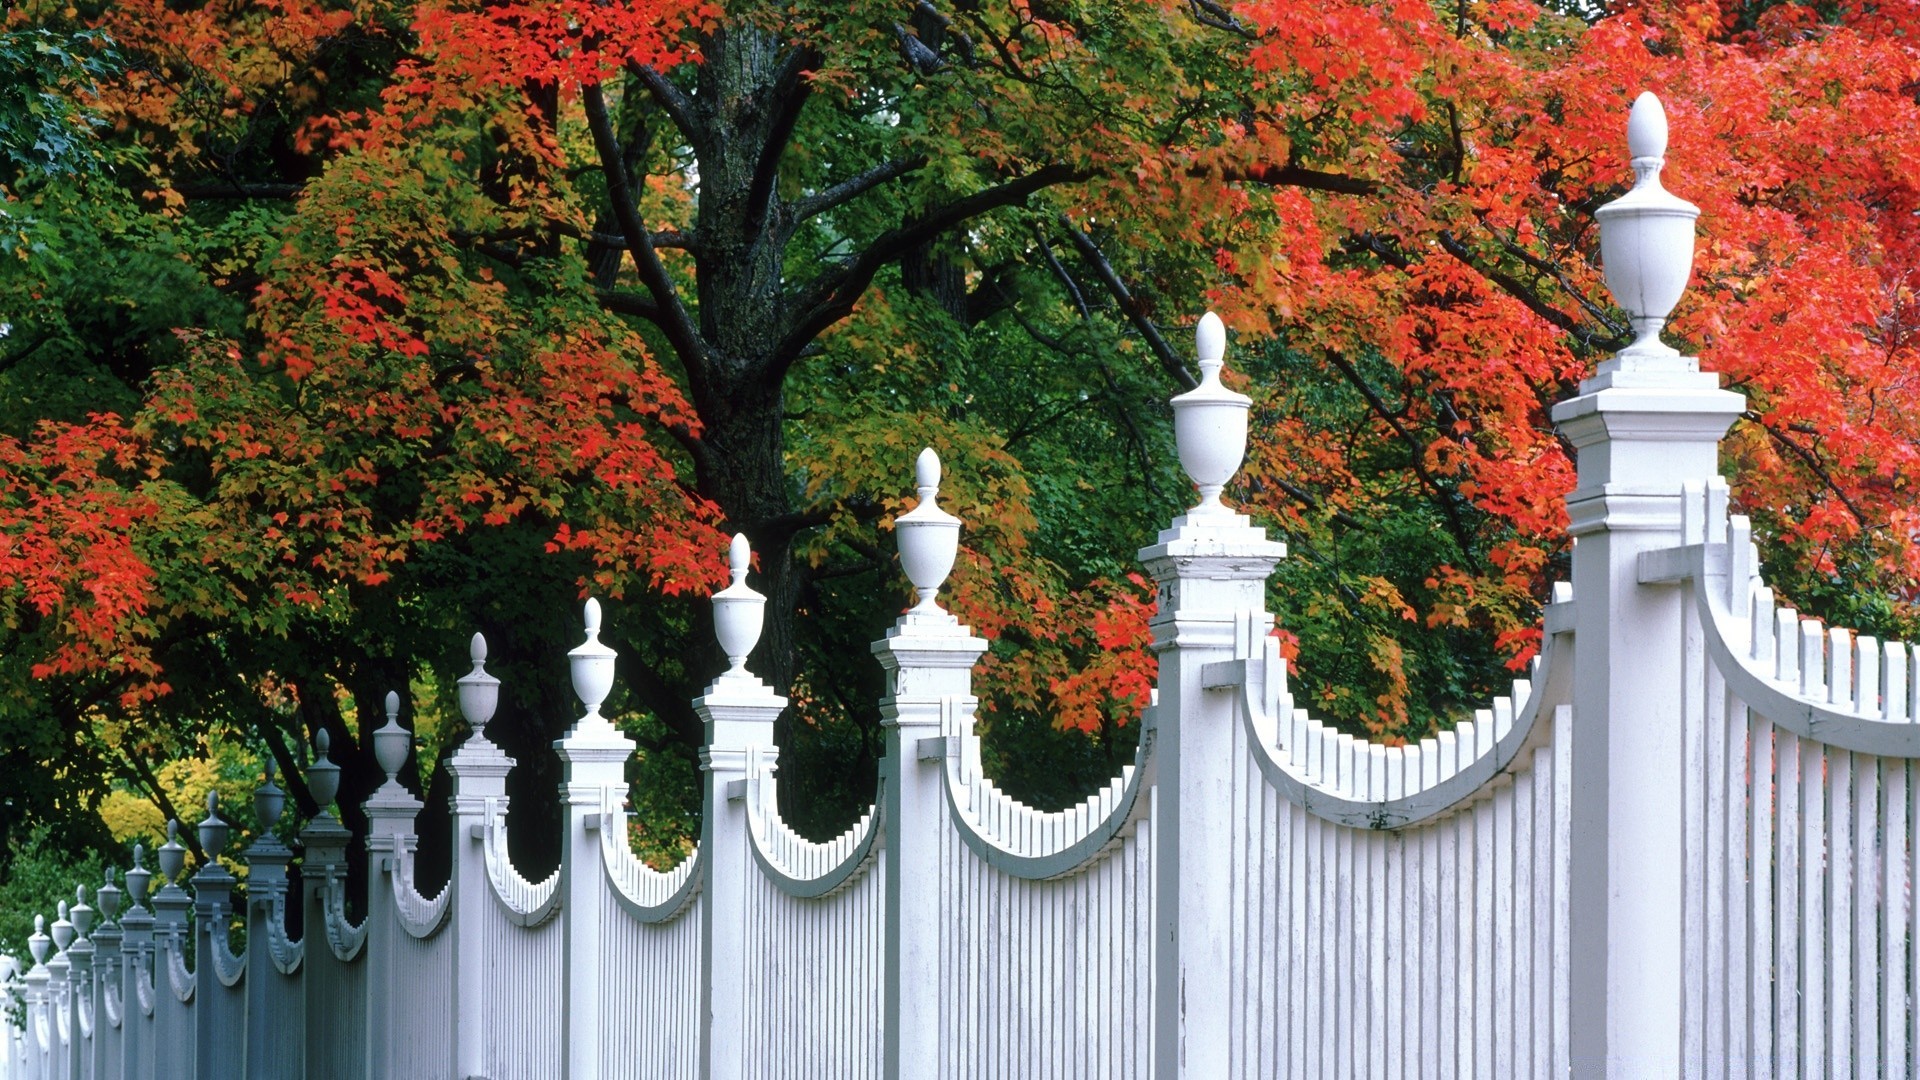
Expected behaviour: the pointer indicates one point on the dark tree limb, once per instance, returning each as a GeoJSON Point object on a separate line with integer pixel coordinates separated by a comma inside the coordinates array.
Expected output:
{"type": "Point", "coordinates": [672, 318]}
{"type": "Point", "coordinates": [1811, 459]}
{"type": "Point", "coordinates": [1291, 175]}
{"type": "Point", "coordinates": [1517, 289]}
{"type": "Point", "coordinates": [852, 188]}
{"type": "Point", "coordinates": [790, 91]}
{"type": "Point", "coordinates": [1169, 360]}
{"type": "Point", "coordinates": [672, 100]}
{"type": "Point", "coordinates": [234, 189]}
{"type": "Point", "coordinates": [831, 297]}
{"type": "Point", "coordinates": [1417, 454]}
{"type": "Point", "coordinates": [626, 303]}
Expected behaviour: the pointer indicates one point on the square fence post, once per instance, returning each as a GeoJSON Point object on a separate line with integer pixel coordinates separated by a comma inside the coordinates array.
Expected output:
{"type": "Point", "coordinates": [479, 769]}
{"type": "Point", "coordinates": [738, 710]}
{"type": "Point", "coordinates": [333, 984]}
{"type": "Point", "coordinates": [594, 754]}
{"type": "Point", "coordinates": [391, 811]}
{"type": "Point", "coordinates": [138, 1002]}
{"type": "Point", "coordinates": [175, 1043]}
{"type": "Point", "coordinates": [928, 656]}
{"type": "Point", "coordinates": [1647, 423]}
{"type": "Point", "coordinates": [276, 1033]}
{"type": "Point", "coordinates": [219, 1011]}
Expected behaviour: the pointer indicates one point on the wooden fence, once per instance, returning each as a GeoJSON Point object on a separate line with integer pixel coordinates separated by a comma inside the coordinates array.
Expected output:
{"type": "Point", "coordinates": [1684, 846]}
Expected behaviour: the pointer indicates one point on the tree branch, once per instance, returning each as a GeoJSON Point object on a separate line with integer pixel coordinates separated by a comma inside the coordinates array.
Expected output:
{"type": "Point", "coordinates": [1169, 360]}
{"type": "Point", "coordinates": [1513, 287]}
{"type": "Point", "coordinates": [831, 296]}
{"type": "Point", "coordinates": [1811, 460]}
{"type": "Point", "coordinates": [1291, 175]}
{"type": "Point", "coordinates": [850, 189]}
{"type": "Point", "coordinates": [626, 303]}
{"type": "Point", "coordinates": [1416, 453]}
{"type": "Point", "coordinates": [671, 99]}
{"type": "Point", "coordinates": [790, 91]}
{"type": "Point", "coordinates": [672, 318]}
{"type": "Point", "coordinates": [233, 189]}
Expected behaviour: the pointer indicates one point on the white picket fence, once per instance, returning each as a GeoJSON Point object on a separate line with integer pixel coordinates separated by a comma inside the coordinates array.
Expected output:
{"type": "Point", "coordinates": [1685, 846]}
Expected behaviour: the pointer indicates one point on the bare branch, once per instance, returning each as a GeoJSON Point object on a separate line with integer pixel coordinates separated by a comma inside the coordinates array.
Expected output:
{"type": "Point", "coordinates": [671, 99]}
{"type": "Point", "coordinates": [854, 187]}
{"type": "Point", "coordinates": [831, 296]}
{"type": "Point", "coordinates": [1169, 360]}
{"type": "Point", "coordinates": [1416, 454]}
{"type": "Point", "coordinates": [1291, 175]}
{"type": "Point", "coordinates": [790, 92]}
{"type": "Point", "coordinates": [672, 317]}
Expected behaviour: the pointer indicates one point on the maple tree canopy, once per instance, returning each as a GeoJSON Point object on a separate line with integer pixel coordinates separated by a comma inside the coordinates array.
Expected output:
{"type": "Point", "coordinates": [334, 330]}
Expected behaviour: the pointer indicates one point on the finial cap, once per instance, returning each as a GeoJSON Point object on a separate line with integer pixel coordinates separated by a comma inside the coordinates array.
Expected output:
{"type": "Point", "coordinates": [1210, 422]}
{"type": "Point", "coordinates": [479, 691]}
{"type": "Point", "coordinates": [739, 613]}
{"type": "Point", "coordinates": [928, 537]}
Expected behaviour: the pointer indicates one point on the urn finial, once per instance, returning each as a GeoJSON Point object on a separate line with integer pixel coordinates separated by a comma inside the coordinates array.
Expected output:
{"type": "Point", "coordinates": [269, 802]}
{"type": "Point", "coordinates": [323, 776]}
{"type": "Point", "coordinates": [137, 879]}
{"type": "Point", "coordinates": [39, 942]}
{"type": "Point", "coordinates": [173, 855]}
{"type": "Point", "coordinates": [1210, 422]}
{"type": "Point", "coordinates": [592, 665]}
{"type": "Point", "coordinates": [213, 830]}
{"type": "Point", "coordinates": [82, 915]}
{"type": "Point", "coordinates": [739, 613]}
{"type": "Point", "coordinates": [1646, 236]}
{"type": "Point", "coordinates": [928, 536]}
{"type": "Point", "coordinates": [479, 691]}
{"type": "Point", "coordinates": [391, 741]}
{"type": "Point", "coordinates": [62, 929]}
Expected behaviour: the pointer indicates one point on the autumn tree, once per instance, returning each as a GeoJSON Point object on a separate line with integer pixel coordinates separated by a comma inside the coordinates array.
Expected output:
{"type": "Point", "coordinates": [438, 315]}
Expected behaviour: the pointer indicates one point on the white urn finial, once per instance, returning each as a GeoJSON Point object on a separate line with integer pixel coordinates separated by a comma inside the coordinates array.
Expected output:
{"type": "Point", "coordinates": [1210, 422]}
{"type": "Point", "coordinates": [213, 829]}
{"type": "Point", "coordinates": [323, 776]}
{"type": "Point", "coordinates": [479, 691]}
{"type": "Point", "coordinates": [269, 802]}
{"type": "Point", "coordinates": [1646, 235]}
{"type": "Point", "coordinates": [62, 928]}
{"type": "Point", "coordinates": [108, 896]}
{"type": "Point", "coordinates": [928, 537]}
{"type": "Point", "coordinates": [173, 855]}
{"type": "Point", "coordinates": [391, 742]}
{"type": "Point", "coordinates": [137, 881]}
{"type": "Point", "coordinates": [739, 613]}
{"type": "Point", "coordinates": [592, 664]}
{"type": "Point", "coordinates": [81, 914]}
{"type": "Point", "coordinates": [39, 942]}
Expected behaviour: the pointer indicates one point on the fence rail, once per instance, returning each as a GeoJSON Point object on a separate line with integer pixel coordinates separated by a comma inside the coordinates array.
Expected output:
{"type": "Point", "coordinates": [1685, 845]}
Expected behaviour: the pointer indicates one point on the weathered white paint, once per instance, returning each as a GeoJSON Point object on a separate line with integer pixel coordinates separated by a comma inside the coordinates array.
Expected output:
{"type": "Point", "coordinates": [1686, 846]}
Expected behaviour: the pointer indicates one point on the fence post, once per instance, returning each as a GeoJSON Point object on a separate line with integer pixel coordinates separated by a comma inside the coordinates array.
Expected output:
{"type": "Point", "coordinates": [595, 755]}
{"type": "Point", "coordinates": [106, 940]}
{"type": "Point", "coordinates": [136, 965]}
{"type": "Point", "coordinates": [268, 1028]}
{"type": "Point", "coordinates": [1647, 421]}
{"type": "Point", "coordinates": [479, 771]}
{"type": "Point", "coordinates": [739, 711]}
{"type": "Point", "coordinates": [928, 656]}
{"type": "Point", "coordinates": [334, 990]}
{"type": "Point", "coordinates": [39, 1057]}
{"type": "Point", "coordinates": [176, 1045]}
{"type": "Point", "coordinates": [391, 810]}
{"type": "Point", "coordinates": [65, 996]}
{"type": "Point", "coordinates": [220, 1018]}
{"type": "Point", "coordinates": [89, 987]}
{"type": "Point", "coordinates": [1211, 568]}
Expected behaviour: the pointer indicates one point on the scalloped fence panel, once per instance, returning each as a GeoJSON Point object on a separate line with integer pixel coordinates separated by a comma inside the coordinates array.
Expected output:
{"type": "Point", "coordinates": [1685, 845]}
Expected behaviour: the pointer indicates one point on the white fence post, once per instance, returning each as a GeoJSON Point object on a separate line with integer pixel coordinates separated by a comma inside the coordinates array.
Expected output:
{"type": "Point", "coordinates": [739, 711]}
{"type": "Point", "coordinates": [174, 1055]}
{"type": "Point", "coordinates": [1211, 568]}
{"type": "Point", "coordinates": [479, 771]}
{"type": "Point", "coordinates": [220, 1018]}
{"type": "Point", "coordinates": [391, 811]}
{"type": "Point", "coordinates": [1647, 422]}
{"type": "Point", "coordinates": [136, 967]}
{"type": "Point", "coordinates": [38, 1058]}
{"type": "Point", "coordinates": [333, 989]}
{"type": "Point", "coordinates": [106, 940]}
{"type": "Point", "coordinates": [929, 660]}
{"type": "Point", "coordinates": [81, 956]}
{"type": "Point", "coordinates": [269, 1026]}
{"type": "Point", "coordinates": [595, 755]}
